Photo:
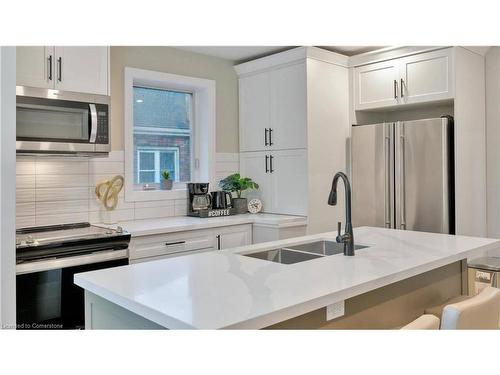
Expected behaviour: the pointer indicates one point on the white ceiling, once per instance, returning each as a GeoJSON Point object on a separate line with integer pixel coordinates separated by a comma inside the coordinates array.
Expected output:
{"type": "Point", "coordinates": [243, 53]}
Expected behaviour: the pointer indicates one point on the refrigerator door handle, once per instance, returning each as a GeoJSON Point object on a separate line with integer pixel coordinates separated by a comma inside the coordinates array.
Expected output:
{"type": "Point", "coordinates": [402, 207]}
{"type": "Point", "coordinates": [387, 153]}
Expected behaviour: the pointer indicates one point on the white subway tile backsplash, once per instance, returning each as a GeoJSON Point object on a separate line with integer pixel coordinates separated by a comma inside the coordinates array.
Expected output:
{"type": "Point", "coordinates": [62, 207]}
{"type": "Point", "coordinates": [25, 181]}
{"type": "Point", "coordinates": [25, 209]}
{"type": "Point", "coordinates": [75, 217]}
{"type": "Point", "coordinates": [25, 166]}
{"type": "Point", "coordinates": [62, 181]}
{"type": "Point", "coordinates": [61, 194]}
{"type": "Point", "coordinates": [25, 221]}
{"type": "Point", "coordinates": [25, 195]}
{"type": "Point", "coordinates": [66, 167]}
{"type": "Point", "coordinates": [59, 190]}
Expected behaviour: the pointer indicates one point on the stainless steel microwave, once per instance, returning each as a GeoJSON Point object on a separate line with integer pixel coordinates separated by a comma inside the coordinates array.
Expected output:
{"type": "Point", "coordinates": [61, 122]}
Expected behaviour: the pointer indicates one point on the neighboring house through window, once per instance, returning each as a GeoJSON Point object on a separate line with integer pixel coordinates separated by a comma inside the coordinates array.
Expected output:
{"type": "Point", "coordinates": [169, 125]}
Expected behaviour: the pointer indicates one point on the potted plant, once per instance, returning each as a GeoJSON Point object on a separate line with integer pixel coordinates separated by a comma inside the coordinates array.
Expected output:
{"type": "Point", "coordinates": [166, 182]}
{"type": "Point", "coordinates": [235, 183]}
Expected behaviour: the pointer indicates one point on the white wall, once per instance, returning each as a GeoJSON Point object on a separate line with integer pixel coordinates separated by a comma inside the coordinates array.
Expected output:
{"type": "Point", "coordinates": [493, 140]}
{"type": "Point", "coordinates": [7, 187]}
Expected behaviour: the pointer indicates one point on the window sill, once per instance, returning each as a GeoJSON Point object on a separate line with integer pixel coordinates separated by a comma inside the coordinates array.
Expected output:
{"type": "Point", "coordinates": [155, 195]}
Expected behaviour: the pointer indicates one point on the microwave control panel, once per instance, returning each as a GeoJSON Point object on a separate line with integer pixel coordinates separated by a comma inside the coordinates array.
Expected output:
{"type": "Point", "coordinates": [102, 124]}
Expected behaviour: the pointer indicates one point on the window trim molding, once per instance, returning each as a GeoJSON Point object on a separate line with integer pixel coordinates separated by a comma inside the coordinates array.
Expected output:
{"type": "Point", "coordinates": [204, 127]}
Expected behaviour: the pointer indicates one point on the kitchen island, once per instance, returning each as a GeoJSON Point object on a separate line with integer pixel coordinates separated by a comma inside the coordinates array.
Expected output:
{"type": "Point", "coordinates": [385, 285]}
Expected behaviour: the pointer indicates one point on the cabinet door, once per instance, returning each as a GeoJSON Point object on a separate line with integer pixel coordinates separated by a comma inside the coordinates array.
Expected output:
{"type": "Point", "coordinates": [256, 166]}
{"type": "Point", "coordinates": [33, 67]}
{"type": "Point", "coordinates": [233, 236]}
{"type": "Point", "coordinates": [427, 77]}
{"type": "Point", "coordinates": [288, 107]}
{"type": "Point", "coordinates": [377, 85]}
{"type": "Point", "coordinates": [289, 180]}
{"type": "Point", "coordinates": [82, 69]}
{"type": "Point", "coordinates": [254, 112]}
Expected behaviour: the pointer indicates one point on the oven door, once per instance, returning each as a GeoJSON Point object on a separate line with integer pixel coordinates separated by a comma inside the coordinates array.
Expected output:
{"type": "Point", "coordinates": [50, 300]}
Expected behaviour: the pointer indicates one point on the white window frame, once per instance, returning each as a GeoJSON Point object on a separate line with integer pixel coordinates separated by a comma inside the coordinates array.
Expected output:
{"type": "Point", "coordinates": [156, 151]}
{"type": "Point", "coordinates": [203, 129]}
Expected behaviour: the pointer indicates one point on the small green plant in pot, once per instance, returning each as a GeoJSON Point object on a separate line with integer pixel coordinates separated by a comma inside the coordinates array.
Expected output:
{"type": "Point", "coordinates": [166, 183]}
{"type": "Point", "coordinates": [236, 184]}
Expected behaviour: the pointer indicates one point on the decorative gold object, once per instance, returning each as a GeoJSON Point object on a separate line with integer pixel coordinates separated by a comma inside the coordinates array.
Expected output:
{"type": "Point", "coordinates": [107, 192]}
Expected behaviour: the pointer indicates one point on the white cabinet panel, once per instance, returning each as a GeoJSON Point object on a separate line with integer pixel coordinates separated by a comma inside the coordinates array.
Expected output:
{"type": "Point", "coordinates": [33, 66]}
{"type": "Point", "coordinates": [376, 85]}
{"type": "Point", "coordinates": [82, 69]}
{"type": "Point", "coordinates": [233, 236]}
{"type": "Point", "coordinates": [254, 111]}
{"type": "Point", "coordinates": [427, 77]}
{"type": "Point", "coordinates": [288, 107]}
{"type": "Point", "coordinates": [256, 166]}
{"type": "Point", "coordinates": [289, 182]}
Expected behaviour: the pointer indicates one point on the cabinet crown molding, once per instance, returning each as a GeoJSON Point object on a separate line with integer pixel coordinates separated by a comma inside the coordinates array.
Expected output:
{"type": "Point", "coordinates": [290, 56]}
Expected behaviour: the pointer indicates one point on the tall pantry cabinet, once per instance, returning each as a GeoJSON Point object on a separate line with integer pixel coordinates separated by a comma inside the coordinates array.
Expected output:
{"type": "Point", "coordinates": [294, 122]}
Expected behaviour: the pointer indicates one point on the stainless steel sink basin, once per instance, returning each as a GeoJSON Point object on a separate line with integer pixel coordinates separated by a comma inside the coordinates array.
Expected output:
{"type": "Point", "coordinates": [283, 256]}
{"type": "Point", "coordinates": [323, 247]}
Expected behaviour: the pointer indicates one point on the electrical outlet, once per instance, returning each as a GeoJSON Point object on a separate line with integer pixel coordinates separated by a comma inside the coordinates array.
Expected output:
{"type": "Point", "coordinates": [335, 310]}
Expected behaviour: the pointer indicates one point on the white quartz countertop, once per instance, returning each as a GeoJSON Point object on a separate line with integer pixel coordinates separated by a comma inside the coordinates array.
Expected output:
{"type": "Point", "coordinates": [223, 289]}
{"type": "Point", "coordinates": [183, 223]}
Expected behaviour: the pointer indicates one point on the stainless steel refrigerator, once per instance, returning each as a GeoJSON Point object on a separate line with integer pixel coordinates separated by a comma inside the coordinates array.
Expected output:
{"type": "Point", "coordinates": [402, 175]}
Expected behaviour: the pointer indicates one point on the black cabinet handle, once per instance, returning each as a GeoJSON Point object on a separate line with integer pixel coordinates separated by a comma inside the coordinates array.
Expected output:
{"type": "Point", "coordinates": [218, 242]}
{"type": "Point", "coordinates": [59, 62]}
{"type": "Point", "coordinates": [267, 169]}
{"type": "Point", "coordinates": [270, 136]}
{"type": "Point", "coordinates": [395, 89]}
{"type": "Point", "coordinates": [50, 67]}
{"type": "Point", "coordinates": [265, 136]}
{"type": "Point", "coordinates": [402, 88]}
{"type": "Point", "coordinates": [271, 164]}
{"type": "Point", "coordinates": [174, 243]}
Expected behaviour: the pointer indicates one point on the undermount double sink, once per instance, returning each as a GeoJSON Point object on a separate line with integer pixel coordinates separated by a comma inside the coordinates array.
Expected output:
{"type": "Point", "coordinates": [301, 253]}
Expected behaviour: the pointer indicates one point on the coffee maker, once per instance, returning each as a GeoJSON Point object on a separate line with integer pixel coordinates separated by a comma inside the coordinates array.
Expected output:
{"type": "Point", "coordinates": [199, 200]}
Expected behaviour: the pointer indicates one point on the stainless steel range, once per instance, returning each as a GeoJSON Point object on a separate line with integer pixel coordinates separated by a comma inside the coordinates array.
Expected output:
{"type": "Point", "coordinates": [48, 257]}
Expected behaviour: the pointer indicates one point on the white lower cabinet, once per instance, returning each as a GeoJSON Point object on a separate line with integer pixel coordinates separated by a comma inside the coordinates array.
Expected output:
{"type": "Point", "coordinates": [233, 236]}
{"type": "Point", "coordinates": [160, 246]}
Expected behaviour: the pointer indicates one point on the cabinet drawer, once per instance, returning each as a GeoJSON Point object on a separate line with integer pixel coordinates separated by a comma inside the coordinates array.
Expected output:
{"type": "Point", "coordinates": [149, 259]}
{"type": "Point", "coordinates": [164, 244]}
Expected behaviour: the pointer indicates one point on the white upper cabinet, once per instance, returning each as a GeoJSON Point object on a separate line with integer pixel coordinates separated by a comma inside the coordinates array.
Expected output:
{"type": "Point", "coordinates": [427, 77]}
{"type": "Point", "coordinates": [288, 128]}
{"type": "Point", "coordinates": [376, 85]}
{"type": "Point", "coordinates": [82, 69]}
{"type": "Point", "coordinates": [254, 112]}
{"type": "Point", "coordinates": [35, 66]}
{"type": "Point", "coordinates": [419, 78]}
{"type": "Point", "coordinates": [273, 111]}
{"type": "Point", "coordinates": [78, 69]}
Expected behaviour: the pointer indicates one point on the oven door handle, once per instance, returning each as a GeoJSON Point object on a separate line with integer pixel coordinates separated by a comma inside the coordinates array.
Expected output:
{"type": "Point", "coordinates": [93, 123]}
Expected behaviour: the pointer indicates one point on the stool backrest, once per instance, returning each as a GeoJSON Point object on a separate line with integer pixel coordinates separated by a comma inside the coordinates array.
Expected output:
{"type": "Point", "coordinates": [479, 312]}
{"type": "Point", "coordinates": [426, 321]}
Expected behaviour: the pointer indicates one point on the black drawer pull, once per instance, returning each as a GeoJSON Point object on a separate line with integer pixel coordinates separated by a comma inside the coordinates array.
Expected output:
{"type": "Point", "coordinates": [174, 243]}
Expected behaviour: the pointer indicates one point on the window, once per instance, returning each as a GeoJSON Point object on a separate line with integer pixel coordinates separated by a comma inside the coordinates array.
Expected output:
{"type": "Point", "coordinates": [169, 125]}
{"type": "Point", "coordinates": [162, 135]}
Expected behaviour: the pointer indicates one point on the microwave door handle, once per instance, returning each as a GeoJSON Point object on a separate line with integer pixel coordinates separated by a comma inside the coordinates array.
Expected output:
{"type": "Point", "coordinates": [93, 123]}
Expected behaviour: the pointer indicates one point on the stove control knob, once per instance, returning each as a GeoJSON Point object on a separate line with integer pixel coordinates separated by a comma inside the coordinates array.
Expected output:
{"type": "Point", "coordinates": [30, 240]}
{"type": "Point", "coordinates": [119, 229]}
{"type": "Point", "coordinates": [18, 241]}
{"type": "Point", "coordinates": [109, 231]}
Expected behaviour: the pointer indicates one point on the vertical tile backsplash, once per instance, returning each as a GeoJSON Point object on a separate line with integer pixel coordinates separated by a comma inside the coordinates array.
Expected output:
{"type": "Point", "coordinates": [56, 190]}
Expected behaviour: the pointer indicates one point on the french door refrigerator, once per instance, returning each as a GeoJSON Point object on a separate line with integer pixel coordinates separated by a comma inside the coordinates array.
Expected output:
{"type": "Point", "coordinates": [402, 175]}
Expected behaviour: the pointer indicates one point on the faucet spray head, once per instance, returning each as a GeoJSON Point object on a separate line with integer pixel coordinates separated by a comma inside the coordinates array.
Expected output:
{"type": "Point", "coordinates": [332, 198]}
